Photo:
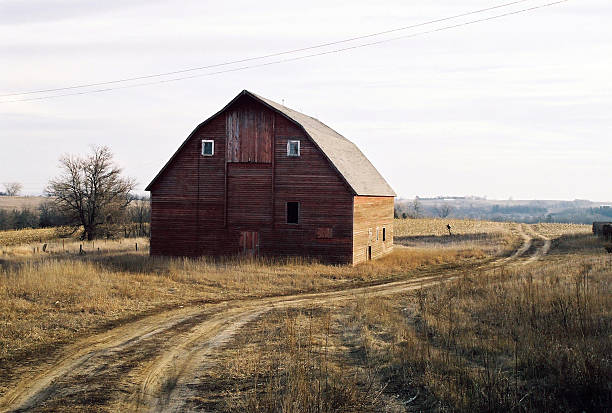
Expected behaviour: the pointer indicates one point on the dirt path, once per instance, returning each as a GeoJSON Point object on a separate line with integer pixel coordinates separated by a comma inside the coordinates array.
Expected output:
{"type": "Point", "coordinates": [152, 364]}
{"type": "Point", "coordinates": [525, 245]}
{"type": "Point", "coordinates": [543, 249]}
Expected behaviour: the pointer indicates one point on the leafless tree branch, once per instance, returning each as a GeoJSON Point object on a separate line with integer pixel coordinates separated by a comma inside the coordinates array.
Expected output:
{"type": "Point", "coordinates": [91, 190]}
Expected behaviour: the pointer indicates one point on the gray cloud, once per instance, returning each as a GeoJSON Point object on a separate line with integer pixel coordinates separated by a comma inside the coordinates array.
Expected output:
{"type": "Point", "coordinates": [513, 107]}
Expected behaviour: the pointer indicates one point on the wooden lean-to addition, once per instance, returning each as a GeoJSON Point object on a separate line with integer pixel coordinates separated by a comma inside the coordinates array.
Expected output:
{"type": "Point", "coordinates": [258, 178]}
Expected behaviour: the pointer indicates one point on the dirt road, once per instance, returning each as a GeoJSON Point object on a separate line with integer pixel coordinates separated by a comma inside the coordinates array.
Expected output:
{"type": "Point", "coordinates": [153, 363]}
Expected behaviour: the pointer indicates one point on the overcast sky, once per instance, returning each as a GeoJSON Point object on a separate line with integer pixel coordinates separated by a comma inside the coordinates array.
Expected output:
{"type": "Point", "coordinates": [519, 106]}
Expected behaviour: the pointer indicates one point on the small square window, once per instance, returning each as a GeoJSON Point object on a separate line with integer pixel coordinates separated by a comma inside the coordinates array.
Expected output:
{"type": "Point", "coordinates": [293, 148]}
{"type": "Point", "coordinates": [293, 212]}
{"type": "Point", "coordinates": [208, 148]}
{"type": "Point", "coordinates": [384, 234]}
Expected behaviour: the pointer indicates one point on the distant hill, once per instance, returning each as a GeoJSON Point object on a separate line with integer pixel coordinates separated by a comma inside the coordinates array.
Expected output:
{"type": "Point", "coordinates": [20, 202]}
{"type": "Point", "coordinates": [529, 211]}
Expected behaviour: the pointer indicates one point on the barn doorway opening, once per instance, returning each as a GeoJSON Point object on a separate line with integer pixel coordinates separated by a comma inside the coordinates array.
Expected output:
{"type": "Point", "coordinates": [293, 212]}
{"type": "Point", "coordinates": [369, 252]}
{"type": "Point", "coordinates": [249, 243]}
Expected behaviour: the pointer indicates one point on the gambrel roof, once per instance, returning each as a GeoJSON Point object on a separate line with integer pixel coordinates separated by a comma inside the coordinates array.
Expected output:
{"type": "Point", "coordinates": [352, 165]}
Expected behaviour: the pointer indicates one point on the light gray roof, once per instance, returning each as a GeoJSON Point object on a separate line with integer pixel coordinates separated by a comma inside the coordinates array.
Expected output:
{"type": "Point", "coordinates": [345, 156]}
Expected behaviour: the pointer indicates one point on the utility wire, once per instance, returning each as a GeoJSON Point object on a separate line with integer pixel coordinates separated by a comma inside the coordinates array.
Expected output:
{"type": "Point", "coordinates": [109, 82]}
{"type": "Point", "coordinates": [286, 60]}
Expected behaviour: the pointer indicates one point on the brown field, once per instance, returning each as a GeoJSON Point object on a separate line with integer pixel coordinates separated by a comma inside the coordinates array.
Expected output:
{"type": "Point", "coordinates": [21, 202]}
{"type": "Point", "coordinates": [499, 316]}
{"type": "Point", "coordinates": [494, 238]}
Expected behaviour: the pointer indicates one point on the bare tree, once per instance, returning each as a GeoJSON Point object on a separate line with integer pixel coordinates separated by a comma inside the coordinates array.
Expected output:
{"type": "Point", "coordinates": [13, 188]}
{"type": "Point", "coordinates": [443, 210]}
{"type": "Point", "coordinates": [140, 213]}
{"type": "Point", "coordinates": [91, 190]}
{"type": "Point", "coordinates": [417, 209]}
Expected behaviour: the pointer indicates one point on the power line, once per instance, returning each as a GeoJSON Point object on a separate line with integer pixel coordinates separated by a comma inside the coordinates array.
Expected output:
{"type": "Point", "coordinates": [108, 82]}
{"type": "Point", "coordinates": [286, 60]}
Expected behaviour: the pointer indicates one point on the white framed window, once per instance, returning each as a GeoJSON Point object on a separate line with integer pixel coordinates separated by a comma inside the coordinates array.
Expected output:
{"type": "Point", "coordinates": [293, 148]}
{"type": "Point", "coordinates": [208, 147]}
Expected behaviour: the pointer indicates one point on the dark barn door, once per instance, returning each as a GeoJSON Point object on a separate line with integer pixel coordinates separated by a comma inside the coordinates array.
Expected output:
{"type": "Point", "coordinates": [249, 243]}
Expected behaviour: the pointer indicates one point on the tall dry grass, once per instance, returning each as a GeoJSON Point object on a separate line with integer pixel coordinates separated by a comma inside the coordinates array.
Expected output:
{"type": "Point", "coordinates": [450, 344]}
{"type": "Point", "coordinates": [50, 298]}
{"type": "Point", "coordinates": [288, 362]}
{"type": "Point", "coordinates": [523, 338]}
{"type": "Point", "coordinates": [45, 297]}
{"type": "Point", "coordinates": [529, 339]}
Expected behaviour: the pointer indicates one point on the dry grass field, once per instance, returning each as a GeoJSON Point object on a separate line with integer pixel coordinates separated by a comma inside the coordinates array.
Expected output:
{"type": "Point", "coordinates": [532, 337]}
{"type": "Point", "coordinates": [21, 202]}
{"type": "Point", "coordinates": [48, 299]}
{"type": "Point", "coordinates": [507, 331]}
{"type": "Point", "coordinates": [494, 238]}
{"type": "Point", "coordinates": [26, 239]}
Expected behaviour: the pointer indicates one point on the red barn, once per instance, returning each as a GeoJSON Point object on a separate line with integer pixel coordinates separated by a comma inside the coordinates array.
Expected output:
{"type": "Point", "coordinates": [262, 179]}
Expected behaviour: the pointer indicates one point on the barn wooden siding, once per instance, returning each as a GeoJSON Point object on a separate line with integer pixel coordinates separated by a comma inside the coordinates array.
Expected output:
{"type": "Point", "coordinates": [187, 202]}
{"type": "Point", "coordinates": [325, 201]}
{"type": "Point", "coordinates": [371, 215]}
{"type": "Point", "coordinates": [249, 134]}
{"type": "Point", "coordinates": [205, 205]}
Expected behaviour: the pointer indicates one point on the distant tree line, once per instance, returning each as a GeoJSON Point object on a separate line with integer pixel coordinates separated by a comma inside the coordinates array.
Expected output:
{"type": "Point", "coordinates": [133, 221]}
{"type": "Point", "coordinates": [42, 217]}
{"type": "Point", "coordinates": [605, 211]}
{"type": "Point", "coordinates": [415, 209]}
{"type": "Point", "coordinates": [578, 211]}
{"type": "Point", "coordinates": [518, 209]}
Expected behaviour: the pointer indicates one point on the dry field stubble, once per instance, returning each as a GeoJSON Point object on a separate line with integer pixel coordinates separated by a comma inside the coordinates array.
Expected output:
{"type": "Point", "coordinates": [437, 227]}
{"type": "Point", "coordinates": [24, 237]}
{"type": "Point", "coordinates": [493, 238]}
{"type": "Point", "coordinates": [20, 202]}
